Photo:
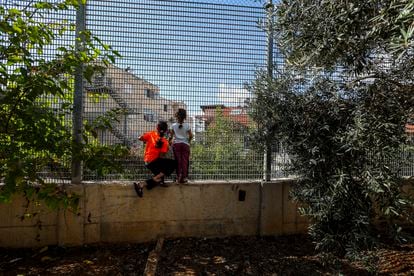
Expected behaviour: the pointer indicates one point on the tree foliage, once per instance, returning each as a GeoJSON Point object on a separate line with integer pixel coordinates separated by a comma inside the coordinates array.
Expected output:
{"type": "Point", "coordinates": [354, 34]}
{"type": "Point", "coordinates": [222, 150]}
{"type": "Point", "coordinates": [340, 106]}
{"type": "Point", "coordinates": [36, 94]}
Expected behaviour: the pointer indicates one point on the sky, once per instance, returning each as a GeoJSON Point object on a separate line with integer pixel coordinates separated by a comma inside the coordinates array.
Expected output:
{"type": "Point", "coordinates": [199, 52]}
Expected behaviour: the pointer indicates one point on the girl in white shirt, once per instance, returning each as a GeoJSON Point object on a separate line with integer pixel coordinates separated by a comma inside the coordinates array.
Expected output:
{"type": "Point", "coordinates": [181, 137]}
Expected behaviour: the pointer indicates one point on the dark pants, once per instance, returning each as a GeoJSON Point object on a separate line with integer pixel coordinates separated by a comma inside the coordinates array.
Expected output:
{"type": "Point", "coordinates": [164, 165]}
{"type": "Point", "coordinates": [182, 156]}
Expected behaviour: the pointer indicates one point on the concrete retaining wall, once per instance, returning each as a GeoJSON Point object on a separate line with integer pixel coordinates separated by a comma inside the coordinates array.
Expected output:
{"type": "Point", "coordinates": [111, 212]}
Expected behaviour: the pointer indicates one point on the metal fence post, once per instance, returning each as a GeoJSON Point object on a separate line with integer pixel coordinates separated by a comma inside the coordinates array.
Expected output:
{"type": "Point", "coordinates": [267, 158]}
{"type": "Point", "coordinates": [78, 97]}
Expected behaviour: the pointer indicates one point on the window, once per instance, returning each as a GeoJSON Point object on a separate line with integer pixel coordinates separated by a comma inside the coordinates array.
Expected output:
{"type": "Point", "coordinates": [149, 115]}
{"type": "Point", "coordinates": [99, 79]}
{"type": "Point", "coordinates": [236, 112]}
{"type": "Point", "coordinates": [149, 93]}
{"type": "Point", "coordinates": [165, 108]}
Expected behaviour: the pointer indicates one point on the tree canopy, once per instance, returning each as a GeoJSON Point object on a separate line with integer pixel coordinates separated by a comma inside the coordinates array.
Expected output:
{"type": "Point", "coordinates": [339, 105]}
{"type": "Point", "coordinates": [223, 143]}
{"type": "Point", "coordinates": [353, 34]}
{"type": "Point", "coordinates": [36, 94]}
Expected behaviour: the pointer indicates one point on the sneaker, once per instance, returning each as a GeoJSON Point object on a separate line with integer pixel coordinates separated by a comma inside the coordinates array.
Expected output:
{"type": "Point", "coordinates": [138, 190]}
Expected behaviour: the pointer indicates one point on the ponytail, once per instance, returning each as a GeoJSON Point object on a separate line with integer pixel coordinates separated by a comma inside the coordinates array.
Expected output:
{"type": "Point", "coordinates": [159, 143]}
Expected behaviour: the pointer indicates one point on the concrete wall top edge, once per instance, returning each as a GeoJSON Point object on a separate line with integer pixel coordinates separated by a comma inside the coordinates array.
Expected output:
{"type": "Point", "coordinates": [196, 183]}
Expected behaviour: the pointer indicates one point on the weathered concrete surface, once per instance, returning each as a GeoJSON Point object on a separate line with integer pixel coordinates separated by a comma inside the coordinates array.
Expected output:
{"type": "Point", "coordinates": [111, 212]}
{"type": "Point", "coordinates": [279, 215]}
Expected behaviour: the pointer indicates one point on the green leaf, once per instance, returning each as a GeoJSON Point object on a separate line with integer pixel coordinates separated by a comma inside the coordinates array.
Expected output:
{"type": "Point", "coordinates": [17, 28]}
{"type": "Point", "coordinates": [14, 12]}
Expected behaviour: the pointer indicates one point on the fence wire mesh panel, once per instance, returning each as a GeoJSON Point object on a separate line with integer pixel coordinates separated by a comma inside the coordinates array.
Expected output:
{"type": "Point", "coordinates": [195, 55]}
{"type": "Point", "coordinates": [192, 55]}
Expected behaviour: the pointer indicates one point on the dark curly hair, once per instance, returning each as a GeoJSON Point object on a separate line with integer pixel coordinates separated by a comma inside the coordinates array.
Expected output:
{"type": "Point", "coordinates": [162, 128]}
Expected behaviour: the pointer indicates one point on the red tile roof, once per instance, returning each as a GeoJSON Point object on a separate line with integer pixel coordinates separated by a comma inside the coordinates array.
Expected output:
{"type": "Point", "coordinates": [235, 114]}
{"type": "Point", "coordinates": [409, 128]}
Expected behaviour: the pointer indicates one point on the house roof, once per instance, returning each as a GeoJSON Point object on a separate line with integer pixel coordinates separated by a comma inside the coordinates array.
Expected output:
{"type": "Point", "coordinates": [409, 128]}
{"type": "Point", "coordinates": [212, 106]}
{"type": "Point", "coordinates": [235, 114]}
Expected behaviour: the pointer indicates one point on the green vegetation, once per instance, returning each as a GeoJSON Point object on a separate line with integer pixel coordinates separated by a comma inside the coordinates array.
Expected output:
{"type": "Point", "coordinates": [36, 96]}
{"type": "Point", "coordinates": [222, 150]}
{"type": "Point", "coordinates": [354, 34]}
{"type": "Point", "coordinates": [342, 131]}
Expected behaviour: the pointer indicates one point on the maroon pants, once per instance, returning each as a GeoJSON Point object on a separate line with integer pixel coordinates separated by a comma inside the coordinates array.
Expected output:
{"type": "Point", "coordinates": [182, 156]}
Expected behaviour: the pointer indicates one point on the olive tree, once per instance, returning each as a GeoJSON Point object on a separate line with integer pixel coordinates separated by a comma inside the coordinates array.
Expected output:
{"type": "Point", "coordinates": [340, 104]}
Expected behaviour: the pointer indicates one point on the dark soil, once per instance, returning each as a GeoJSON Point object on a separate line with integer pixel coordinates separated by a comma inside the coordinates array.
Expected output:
{"type": "Point", "coordinates": [104, 259]}
{"type": "Point", "coordinates": [288, 255]}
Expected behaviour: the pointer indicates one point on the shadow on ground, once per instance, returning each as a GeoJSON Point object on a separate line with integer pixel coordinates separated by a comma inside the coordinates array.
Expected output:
{"type": "Point", "coordinates": [287, 255]}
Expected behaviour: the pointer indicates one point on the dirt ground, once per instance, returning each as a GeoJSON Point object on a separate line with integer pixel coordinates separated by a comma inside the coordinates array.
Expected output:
{"type": "Point", "coordinates": [288, 255]}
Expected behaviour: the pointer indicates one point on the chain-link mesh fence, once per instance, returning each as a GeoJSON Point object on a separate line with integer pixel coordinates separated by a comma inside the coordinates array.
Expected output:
{"type": "Point", "coordinates": [195, 55]}
{"type": "Point", "coordinates": [61, 23]}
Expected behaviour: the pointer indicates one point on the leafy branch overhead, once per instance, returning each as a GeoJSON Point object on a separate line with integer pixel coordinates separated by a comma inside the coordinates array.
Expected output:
{"type": "Point", "coordinates": [354, 34]}
{"type": "Point", "coordinates": [36, 88]}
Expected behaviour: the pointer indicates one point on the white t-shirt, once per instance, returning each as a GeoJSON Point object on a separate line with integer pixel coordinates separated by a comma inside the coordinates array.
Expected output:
{"type": "Point", "coordinates": [181, 134]}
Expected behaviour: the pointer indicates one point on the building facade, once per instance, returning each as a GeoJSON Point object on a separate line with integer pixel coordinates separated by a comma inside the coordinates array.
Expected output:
{"type": "Point", "coordinates": [137, 102]}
